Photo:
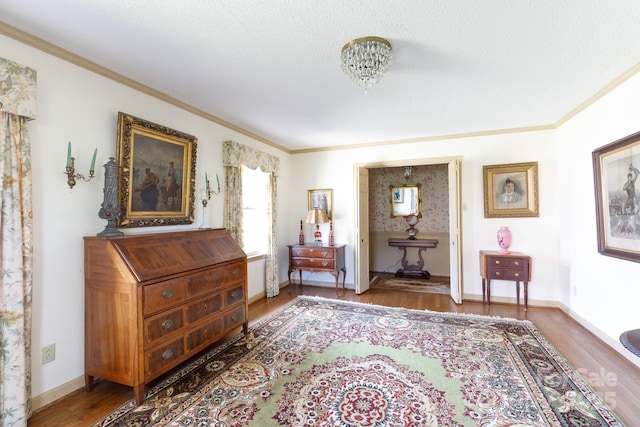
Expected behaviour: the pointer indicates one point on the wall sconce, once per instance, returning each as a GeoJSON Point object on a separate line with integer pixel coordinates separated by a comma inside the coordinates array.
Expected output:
{"type": "Point", "coordinates": [70, 169]}
{"type": "Point", "coordinates": [205, 196]}
{"type": "Point", "coordinates": [407, 172]}
{"type": "Point", "coordinates": [317, 216]}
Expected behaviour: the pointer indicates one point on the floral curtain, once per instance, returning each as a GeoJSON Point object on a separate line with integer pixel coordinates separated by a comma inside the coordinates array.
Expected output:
{"type": "Point", "coordinates": [17, 105]}
{"type": "Point", "coordinates": [234, 155]}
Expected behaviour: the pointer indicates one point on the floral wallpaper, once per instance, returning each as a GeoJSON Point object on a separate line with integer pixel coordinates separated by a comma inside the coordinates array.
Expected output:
{"type": "Point", "coordinates": [434, 180]}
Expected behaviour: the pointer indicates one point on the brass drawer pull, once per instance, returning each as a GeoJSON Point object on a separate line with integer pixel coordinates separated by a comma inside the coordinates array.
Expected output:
{"type": "Point", "coordinates": [497, 262]}
{"type": "Point", "coordinates": [325, 253]}
{"type": "Point", "coordinates": [325, 263]}
{"type": "Point", "coordinates": [517, 274]}
{"type": "Point", "coordinates": [497, 273]}
{"type": "Point", "coordinates": [167, 324]}
{"type": "Point", "coordinates": [517, 263]}
{"type": "Point", "coordinates": [167, 293]}
{"type": "Point", "coordinates": [234, 317]}
{"type": "Point", "coordinates": [236, 272]}
{"type": "Point", "coordinates": [167, 354]}
{"type": "Point", "coordinates": [205, 307]}
{"type": "Point", "coordinates": [234, 295]}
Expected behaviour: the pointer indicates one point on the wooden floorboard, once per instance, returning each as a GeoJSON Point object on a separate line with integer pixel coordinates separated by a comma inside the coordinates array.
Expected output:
{"type": "Point", "coordinates": [612, 376]}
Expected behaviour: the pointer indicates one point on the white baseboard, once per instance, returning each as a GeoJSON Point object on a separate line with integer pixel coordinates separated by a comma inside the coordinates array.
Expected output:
{"type": "Point", "coordinates": [56, 393]}
{"type": "Point", "coordinates": [514, 301]}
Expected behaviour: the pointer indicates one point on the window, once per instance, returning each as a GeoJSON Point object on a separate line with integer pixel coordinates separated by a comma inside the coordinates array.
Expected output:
{"type": "Point", "coordinates": [255, 210]}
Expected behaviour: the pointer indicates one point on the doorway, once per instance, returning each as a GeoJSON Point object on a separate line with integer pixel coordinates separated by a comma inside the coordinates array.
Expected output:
{"type": "Point", "coordinates": [362, 225]}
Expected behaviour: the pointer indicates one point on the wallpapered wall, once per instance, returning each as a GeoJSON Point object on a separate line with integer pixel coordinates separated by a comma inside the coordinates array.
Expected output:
{"type": "Point", "coordinates": [434, 180]}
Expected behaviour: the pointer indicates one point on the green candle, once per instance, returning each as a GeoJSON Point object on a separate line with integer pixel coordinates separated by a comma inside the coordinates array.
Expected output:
{"type": "Point", "coordinates": [69, 155]}
{"type": "Point", "coordinates": [93, 161]}
{"type": "Point", "coordinates": [218, 179]}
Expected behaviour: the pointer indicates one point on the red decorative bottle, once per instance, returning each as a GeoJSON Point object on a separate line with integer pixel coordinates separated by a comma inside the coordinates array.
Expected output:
{"type": "Point", "coordinates": [331, 233]}
{"type": "Point", "coordinates": [301, 235]}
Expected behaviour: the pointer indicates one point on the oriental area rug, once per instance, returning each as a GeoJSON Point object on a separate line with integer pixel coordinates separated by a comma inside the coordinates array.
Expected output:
{"type": "Point", "coordinates": [324, 362]}
{"type": "Point", "coordinates": [410, 284]}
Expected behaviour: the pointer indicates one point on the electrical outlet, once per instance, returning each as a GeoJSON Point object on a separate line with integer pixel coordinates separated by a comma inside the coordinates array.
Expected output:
{"type": "Point", "coordinates": [48, 353]}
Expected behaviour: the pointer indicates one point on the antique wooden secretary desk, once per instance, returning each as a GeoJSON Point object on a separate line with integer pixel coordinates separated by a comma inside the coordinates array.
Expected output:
{"type": "Point", "coordinates": [153, 301]}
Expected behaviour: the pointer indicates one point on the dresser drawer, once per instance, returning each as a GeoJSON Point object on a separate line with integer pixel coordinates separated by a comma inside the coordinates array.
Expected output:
{"type": "Point", "coordinates": [235, 317]}
{"type": "Point", "coordinates": [164, 295]}
{"type": "Point", "coordinates": [503, 274]}
{"type": "Point", "coordinates": [200, 283]}
{"type": "Point", "coordinates": [312, 253]}
{"type": "Point", "coordinates": [504, 262]}
{"type": "Point", "coordinates": [167, 354]}
{"type": "Point", "coordinates": [310, 263]}
{"type": "Point", "coordinates": [235, 272]}
{"type": "Point", "coordinates": [158, 326]}
{"type": "Point", "coordinates": [205, 334]}
{"type": "Point", "coordinates": [234, 295]}
{"type": "Point", "coordinates": [203, 308]}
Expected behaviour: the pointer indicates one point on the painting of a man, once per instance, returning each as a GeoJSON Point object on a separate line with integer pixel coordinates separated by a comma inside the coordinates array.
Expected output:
{"type": "Point", "coordinates": [510, 194]}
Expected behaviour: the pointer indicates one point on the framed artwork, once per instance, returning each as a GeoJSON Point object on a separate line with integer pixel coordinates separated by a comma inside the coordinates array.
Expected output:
{"type": "Point", "coordinates": [511, 190]}
{"type": "Point", "coordinates": [398, 195]}
{"type": "Point", "coordinates": [157, 174]}
{"type": "Point", "coordinates": [321, 199]}
{"type": "Point", "coordinates": [615, 171]}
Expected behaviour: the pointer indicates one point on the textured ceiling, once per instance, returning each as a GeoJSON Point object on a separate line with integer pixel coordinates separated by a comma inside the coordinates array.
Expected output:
{"type": "Point", "coordinates": [272, 67]}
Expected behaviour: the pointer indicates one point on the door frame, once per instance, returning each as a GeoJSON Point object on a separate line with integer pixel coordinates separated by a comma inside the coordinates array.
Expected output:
{"type": "Point", "coordinates": [401, 163]}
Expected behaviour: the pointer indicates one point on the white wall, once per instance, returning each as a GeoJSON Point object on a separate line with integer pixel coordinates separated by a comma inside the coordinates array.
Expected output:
{"type": "Point", "coordinates": [79, 106]}
{"type": "Point", "coordinates": [602, 291]}
{"type": "Point", "coordinates": [537, 237]}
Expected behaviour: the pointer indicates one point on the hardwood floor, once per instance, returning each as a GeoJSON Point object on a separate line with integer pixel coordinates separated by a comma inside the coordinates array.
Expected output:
{"type": "Point", "coordinates": [613, 377]}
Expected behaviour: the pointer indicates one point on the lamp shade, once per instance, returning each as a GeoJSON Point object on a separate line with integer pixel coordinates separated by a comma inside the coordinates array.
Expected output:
{"type": "Point", "coordinates": [317, 216]}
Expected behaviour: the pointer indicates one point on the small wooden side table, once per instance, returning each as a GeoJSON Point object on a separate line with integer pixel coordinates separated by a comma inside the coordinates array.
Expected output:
{"type": "Point", "coordinates": [512, 266]}
{"type": "Point", "coordinates": [310, 257]}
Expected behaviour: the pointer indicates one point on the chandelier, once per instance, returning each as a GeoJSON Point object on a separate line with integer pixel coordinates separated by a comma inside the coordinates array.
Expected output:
{"type": "Point", "coordinates": [365, 60]}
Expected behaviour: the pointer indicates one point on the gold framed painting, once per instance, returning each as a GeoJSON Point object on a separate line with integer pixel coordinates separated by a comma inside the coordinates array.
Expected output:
{"type": "Point", "coordinates": [511, 190]}
{"type": "Point", "coordinates": [615, 171]}
{"type": "Point", "coordinates": [321, 199]}
{"type": "Point", "coordinates": [156, 175]}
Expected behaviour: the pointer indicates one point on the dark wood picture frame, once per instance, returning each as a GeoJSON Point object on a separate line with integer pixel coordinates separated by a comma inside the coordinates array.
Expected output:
{"type": "Point", "coordinates": [616, 167]}
{"type": "Point", "coordinates": [146, 153]}
{"type": "Point", "coordinates": [522, 201]}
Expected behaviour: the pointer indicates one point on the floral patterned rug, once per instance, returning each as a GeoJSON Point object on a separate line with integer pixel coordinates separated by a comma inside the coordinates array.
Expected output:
{"type": "Point", "coordinates": [324, 362]}
{"type": "Point", "coordinates": [410, 284]}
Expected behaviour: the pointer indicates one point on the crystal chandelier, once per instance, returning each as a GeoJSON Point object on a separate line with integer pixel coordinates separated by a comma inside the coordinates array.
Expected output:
{"type": "Point", "coordinates": [365, 60]}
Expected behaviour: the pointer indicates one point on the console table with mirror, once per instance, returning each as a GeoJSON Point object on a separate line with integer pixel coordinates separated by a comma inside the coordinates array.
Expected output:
{"type": "Point", "coordinates": [413, 269]}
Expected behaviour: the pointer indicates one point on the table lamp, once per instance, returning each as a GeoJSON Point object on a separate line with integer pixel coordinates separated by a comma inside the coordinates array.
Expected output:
{"type": "Point", "coordinates": [317, 216]}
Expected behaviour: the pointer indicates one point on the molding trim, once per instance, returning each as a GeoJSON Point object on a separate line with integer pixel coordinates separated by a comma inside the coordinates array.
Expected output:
{"type": "Point", "coordinates": [72, 58]}
{"type": "Point", "coordinates": [58, 52]}
{"type": "Point", "coordinates": [56, 393]}
{"type": "Point", "coordinates": [616, 345]}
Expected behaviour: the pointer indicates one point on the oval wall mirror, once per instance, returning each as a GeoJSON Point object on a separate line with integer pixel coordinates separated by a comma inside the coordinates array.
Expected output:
{"type": "Point", "coordinates": [406, 200]}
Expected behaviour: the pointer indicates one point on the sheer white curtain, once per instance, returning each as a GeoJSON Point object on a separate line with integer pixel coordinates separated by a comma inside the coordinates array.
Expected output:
{"type": "Point", "coordinates": [17, 105]}
{"type": "Point", "coordinates": [235, 155]}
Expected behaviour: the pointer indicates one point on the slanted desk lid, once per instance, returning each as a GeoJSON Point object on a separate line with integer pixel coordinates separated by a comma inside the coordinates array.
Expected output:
{"type": "Point", "coordinates": [152, 256]}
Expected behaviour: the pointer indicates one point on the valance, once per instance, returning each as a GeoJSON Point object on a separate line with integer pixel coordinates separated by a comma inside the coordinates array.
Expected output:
{"type": "Point", "coordinates": [17, 89]}
{"type": "Point", "coordinates": [235, 154]}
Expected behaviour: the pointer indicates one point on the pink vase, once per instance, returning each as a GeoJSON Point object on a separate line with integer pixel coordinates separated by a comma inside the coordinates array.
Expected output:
{"type": "Point", "coordinates": [504, 240]}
